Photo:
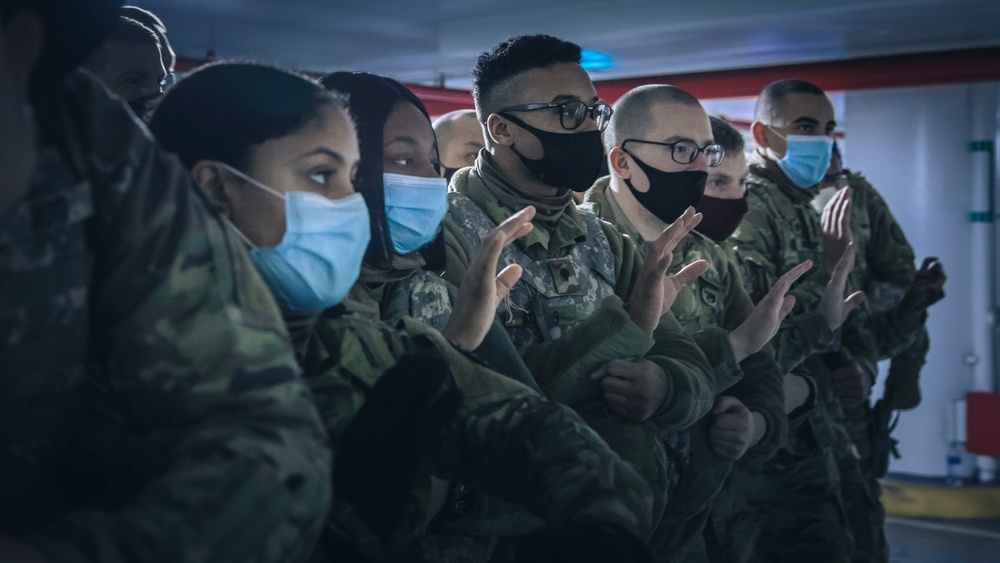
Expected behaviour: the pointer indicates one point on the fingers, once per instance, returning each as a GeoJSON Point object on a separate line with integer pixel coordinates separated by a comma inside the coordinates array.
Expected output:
{"type": "Point", "coordinates": [785, 282]}
{"type": "Point", "coordinates": [843, 218]}
{"type": "Point", "coordinates": [853, 300]}
{"type": "Point", "coordinates": [506, 279]}
{"type": "Point", "coordinates": [845, 265]}
{"type": "Point", "coordinates": [599, 372]}
{"type": "Point", "coordinates": [618, 386]}
{"type": "Point", "coordinates": [667, 241]}
{"type": "Point", "coordinates": [786, 307]}
{"type": "Point", "coordinates": [691, 272]}
{"type": "Point", "coordinates": [724, 403]}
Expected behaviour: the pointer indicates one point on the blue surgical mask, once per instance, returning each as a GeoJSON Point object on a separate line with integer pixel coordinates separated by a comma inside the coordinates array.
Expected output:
{"type": "Point", "coordinates": [807, 158]}
{"type": "Point", "coordinates": [319, 257]}
{"type": "Point", "coordinates": [414, 208]}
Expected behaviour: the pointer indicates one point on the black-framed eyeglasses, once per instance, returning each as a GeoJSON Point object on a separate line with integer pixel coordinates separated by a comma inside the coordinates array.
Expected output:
{"type": "Point", "coordinates": [685, 152]}
{"type": "Point", "coordinates": [572, 113]}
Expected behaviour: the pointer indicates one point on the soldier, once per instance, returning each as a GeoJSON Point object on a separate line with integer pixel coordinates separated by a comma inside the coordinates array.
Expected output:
{"type": "Point", "coordinates": [131, 65]}
{"type": "Point", "coordinates": [660, 148]}
{"type": "Point", "coordinates": [460, 138]}
{"type": "Point", "coordinates": [586, 308]}
{"type": "Point", "coordinates": [150, 393]}
{"type": "Point", "coordinates": [792, 128]}
{"type": "Point", "coordinates": [433, 409]}
{"type": "Point", "coordinates": [154, 23]}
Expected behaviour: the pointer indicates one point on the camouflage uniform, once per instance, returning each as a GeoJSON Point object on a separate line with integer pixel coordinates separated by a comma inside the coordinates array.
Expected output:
{"type": "Point", "coordinates": [781, 230]}
{"type": "Point", "coordinates": [507, 440]}
{"type": "Point", "coordinates": [567, 318]}
{"type": "Point", "coordinates": [709, 308]}
{"type": "Point", "coordinates": [151, 404]}
{"type": "Point", "coordinates": [885, 270]}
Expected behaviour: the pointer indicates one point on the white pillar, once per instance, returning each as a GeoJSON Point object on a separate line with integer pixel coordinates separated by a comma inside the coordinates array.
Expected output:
{"type": "Point", "coordinates": [983, 275]}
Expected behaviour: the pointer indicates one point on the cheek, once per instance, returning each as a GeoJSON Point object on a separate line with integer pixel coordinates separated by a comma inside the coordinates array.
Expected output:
{"type": "Point", "coordinates": [261, 219]}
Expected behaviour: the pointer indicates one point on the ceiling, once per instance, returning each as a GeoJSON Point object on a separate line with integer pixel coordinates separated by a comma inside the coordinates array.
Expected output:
{"type": "Point", "coordinates": [421, 42]}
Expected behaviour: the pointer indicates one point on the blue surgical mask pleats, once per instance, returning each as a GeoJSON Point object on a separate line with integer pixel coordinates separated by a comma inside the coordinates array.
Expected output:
{"type": "Point", "coordinates": [807, 158]}
{"type": "Point", "coordinates": [414, 208]}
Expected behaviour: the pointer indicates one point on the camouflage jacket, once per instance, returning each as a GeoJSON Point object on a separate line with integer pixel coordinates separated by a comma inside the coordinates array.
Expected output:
{"type": "Point", "coordinates": [710, 307]}
{"type": "Point", "coordinates": [780, 231]}
{"type": "Point", "coordinates": [884, 268]}
{"type": "Point", "coordinates": [591, 331]}
{"type": "Point", "coordinates": [507, 441]}
{"type": "Point", "coordinates": [428, 298]}
{"type": "Point", "coordinates": [150, 403]}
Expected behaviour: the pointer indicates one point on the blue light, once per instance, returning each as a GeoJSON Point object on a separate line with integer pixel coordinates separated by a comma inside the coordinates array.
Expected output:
{"type": "Point", "coordinates": [595, 60]}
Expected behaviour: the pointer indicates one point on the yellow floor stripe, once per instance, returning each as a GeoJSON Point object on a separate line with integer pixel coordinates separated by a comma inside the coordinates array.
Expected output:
{"type": "Point", "coordinates": [930, 501]}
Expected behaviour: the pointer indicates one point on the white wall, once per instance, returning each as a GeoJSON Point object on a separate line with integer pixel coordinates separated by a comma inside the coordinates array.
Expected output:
{"type": "Point", "coordinates": [913, 145]}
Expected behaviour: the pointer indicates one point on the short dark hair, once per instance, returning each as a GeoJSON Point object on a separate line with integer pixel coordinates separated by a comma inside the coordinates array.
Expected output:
{"type": "Point", "coordinates": [153, 22]}
{"type": "Point", "coordinates": [132, 31]}
{"type": "Point", "coordinates": [633, 111]}
{"type": "Point", "coordinates": [372, 99]}
{"type": "Point", "coordinates": [769, 103]}
{"type": "Point", "coordinates": [727, 136]}
{"type": "Point", "coordinates": [224, 109]}
{"type": "Point", "coordinates": [496, 67]}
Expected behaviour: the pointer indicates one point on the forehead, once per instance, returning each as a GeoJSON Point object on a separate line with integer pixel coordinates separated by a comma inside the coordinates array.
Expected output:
{"type": "Point", "coordinates": [734, 166]}
{"type": "Point", "coordinates": [141, 56]}
{"type": "Point", "coordinates": [540, 85]}
{"type": "Point", "coordinates": [331, 129]}
{"type": "Point", "coordinates": [797, 105]}
{"type": "Point", "coordinates": [408, 121]}
{"type": "Point", "coordinates": [668, 120]}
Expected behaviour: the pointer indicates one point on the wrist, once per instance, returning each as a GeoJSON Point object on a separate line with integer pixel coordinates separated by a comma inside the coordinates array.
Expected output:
{"type": "Point", "coordinates": [759, 428]}
{"type": "Point", "coordinates": [737, 345]}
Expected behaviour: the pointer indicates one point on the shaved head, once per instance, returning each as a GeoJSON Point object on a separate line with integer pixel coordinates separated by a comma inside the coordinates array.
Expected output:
{"type": "Point", "coordinates": [459, 137]}
{"type": "Point", "coordinates": [770, 103]}
{"type": "Point", "coordinates": [633, 117]}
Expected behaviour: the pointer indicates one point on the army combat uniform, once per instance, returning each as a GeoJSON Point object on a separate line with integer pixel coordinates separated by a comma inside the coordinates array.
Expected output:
{"type": "Point", "coordinates": [566, 316]}
{"type": "Point", "coordinates": [798, 492]}
{"type": "Point", "coordinates": [709, 308]}
{"type": "Point", "coordinates": [151, 408]}
{"type": "Point", "coordinates": [507, 440]}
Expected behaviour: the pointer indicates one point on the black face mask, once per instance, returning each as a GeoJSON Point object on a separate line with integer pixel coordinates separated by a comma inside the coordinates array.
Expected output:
{"type": "Point", "coordinates": [721, 217]}
{"type": "Point", "coordinates": [669, 193]}
{"type": "Point", "coordinates": [143, 107]}
{"type": "Point", "coordinates": [570, 160]}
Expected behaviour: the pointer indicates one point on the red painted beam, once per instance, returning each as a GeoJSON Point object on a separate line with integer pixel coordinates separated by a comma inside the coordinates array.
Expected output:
{"type": "Point", "coordinates": [947, 67]}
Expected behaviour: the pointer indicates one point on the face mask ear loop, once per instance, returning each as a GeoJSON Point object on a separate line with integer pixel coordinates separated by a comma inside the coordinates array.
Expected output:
{"type": "Point", "coordinates": [239, 233]}
{"type": "Point", "coordinates": [264, 187]}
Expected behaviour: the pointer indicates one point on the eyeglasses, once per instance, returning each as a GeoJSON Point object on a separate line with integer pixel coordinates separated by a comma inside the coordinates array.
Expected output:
{"type": "Point", "coordinates": [685, 152]}
{"type": "Point", "coordinates": [572, 113]}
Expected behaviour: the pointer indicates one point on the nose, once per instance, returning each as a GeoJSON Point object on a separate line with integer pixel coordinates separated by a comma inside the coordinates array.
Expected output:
{"type": "Point", "coordinates": [700, 163]}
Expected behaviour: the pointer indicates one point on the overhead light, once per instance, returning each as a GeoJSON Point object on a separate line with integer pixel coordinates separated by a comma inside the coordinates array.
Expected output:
{"type": "Point", "coordinates": [595, 60]}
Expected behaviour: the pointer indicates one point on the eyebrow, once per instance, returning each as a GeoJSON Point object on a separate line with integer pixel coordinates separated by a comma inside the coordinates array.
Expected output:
{"type": "Point", "coordinates": [723, 176]}
{"type": "Point", "coordinates": [568, 97]}
{"type": "Point", "coordinates": [401, 139]}
{"type": "Point", "coordinates": [473, 144]}
{"type": "Point", "coordinates": [322, 150]}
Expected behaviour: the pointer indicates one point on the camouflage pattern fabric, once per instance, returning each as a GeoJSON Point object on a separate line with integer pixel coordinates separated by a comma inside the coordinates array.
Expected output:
{"type": "Point", "coordinates": [781, 230]}
{"type": "Point", "coordinates": [708, 307]}
{"type": "Point", "coordinates": [150, 403]}
{"type": "Point", "coordinates": [507, 441]}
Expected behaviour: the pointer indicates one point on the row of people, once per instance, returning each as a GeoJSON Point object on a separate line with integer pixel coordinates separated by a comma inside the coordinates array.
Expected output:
{"type": "Point", "coordinates": [587, 402]}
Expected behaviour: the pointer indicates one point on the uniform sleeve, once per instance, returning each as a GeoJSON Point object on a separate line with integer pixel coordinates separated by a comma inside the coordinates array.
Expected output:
{"type": "Point", "coordinates": [562, 366]}
{"type": "Point", "coordinates": [690, 379]}
{"type": "Point", "coordinates": [627, 260]}
{"type": "Point", "coordinates": [459, 251]}
{"type": "Point", "coordinates": [761, 388]}
{"type": "Point", "coordinates": [803, 332]}
{"type": "Point", "coordinates": [222, 434]}
{"type": "Point", "coordinates": [566, 472]}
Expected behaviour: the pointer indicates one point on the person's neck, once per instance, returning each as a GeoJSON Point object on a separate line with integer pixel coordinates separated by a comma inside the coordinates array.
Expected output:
{"type": "Point", "coordinates": [648, 226]}
{"type": "Point", "coordinates": [509, 165]}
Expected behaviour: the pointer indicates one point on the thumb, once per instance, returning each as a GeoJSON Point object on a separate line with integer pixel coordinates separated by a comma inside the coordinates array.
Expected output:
{"type": "Point", "coordinates": [853, 300]}
{"type": "Point", "coordinates": [506, 280]}
{"type": "Point", "coordinates": [722, 404]}
{"type": "Point", "coordinates": [599, 372]}
{"type": "Point", "coordinates": [692, 271]}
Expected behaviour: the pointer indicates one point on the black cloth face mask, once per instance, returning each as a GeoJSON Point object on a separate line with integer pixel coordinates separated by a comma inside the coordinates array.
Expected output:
{"type": "Point", "coordinates": [571, 161]}
{"type": "Point", "coordinates": [669, 193]}
{"type": "Point", "coordinates": [721, 217]}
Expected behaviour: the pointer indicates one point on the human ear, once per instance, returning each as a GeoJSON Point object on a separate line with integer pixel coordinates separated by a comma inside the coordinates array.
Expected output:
{"type": "Point", "coordinates": [497, 130]}
{"type": "Point", "coordinates": [619, 163]}
{"type": "Point", "coordinates": [759, 131]}
{"type": "Point", "coordinates": [209, 180]}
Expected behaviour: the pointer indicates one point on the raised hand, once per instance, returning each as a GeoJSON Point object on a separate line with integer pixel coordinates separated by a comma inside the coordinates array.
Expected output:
{"type": "Point", "coordinates": [762, 324]}
{"type": "Point", "coordinates": [654, 290]}
{"type": "Point", "coordinates": [832, 305]}
{"type": "Point", "coordinates": [835, 225]}
{"type": "Point", "coordinates": [482, 288]}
